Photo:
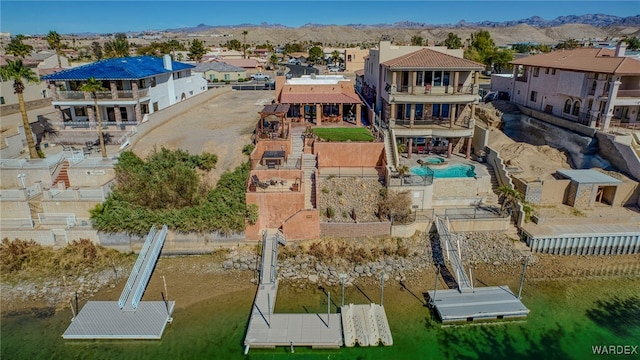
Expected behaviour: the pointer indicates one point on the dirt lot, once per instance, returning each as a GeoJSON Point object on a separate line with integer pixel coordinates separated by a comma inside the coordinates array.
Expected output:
{"type": "Point", "coordinates": [222, 125]}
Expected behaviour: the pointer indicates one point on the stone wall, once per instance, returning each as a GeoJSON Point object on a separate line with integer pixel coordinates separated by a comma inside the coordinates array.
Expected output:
{"type": "Point", "coordinates": [355, 230]}
{"type": "Point", "coordinates": [303, 225]}
{"type": "Point", "coordinates": [581, 195]}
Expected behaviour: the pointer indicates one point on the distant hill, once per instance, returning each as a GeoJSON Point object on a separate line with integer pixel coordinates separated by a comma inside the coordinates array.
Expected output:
{"type": "Point", "coordinates": [597, 20]}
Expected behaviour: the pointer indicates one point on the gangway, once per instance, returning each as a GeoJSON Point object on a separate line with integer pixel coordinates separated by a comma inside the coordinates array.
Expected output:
{"type": "Point", "coordinates": [454, 255]}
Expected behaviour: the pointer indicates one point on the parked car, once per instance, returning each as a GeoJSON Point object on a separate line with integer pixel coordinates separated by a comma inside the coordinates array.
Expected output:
{"type": "Point", "coordinates": [490, 97]}
{"type": "Point", "coordinates": [335, 69]}
{"type": "Point", "coordinates": [294, 61]}
{"type": "Point", "coordinates": [260, 76]}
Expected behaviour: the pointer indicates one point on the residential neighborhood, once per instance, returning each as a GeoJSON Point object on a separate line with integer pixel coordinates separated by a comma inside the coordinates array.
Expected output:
{"type": "Point", "coordinates": [221, 169]}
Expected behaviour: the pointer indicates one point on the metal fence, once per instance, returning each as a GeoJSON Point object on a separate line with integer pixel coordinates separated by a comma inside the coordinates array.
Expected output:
{"type": "Point", "coordinates": [375, 172]}
{"type": "Point", "coordinates": [480, 212]}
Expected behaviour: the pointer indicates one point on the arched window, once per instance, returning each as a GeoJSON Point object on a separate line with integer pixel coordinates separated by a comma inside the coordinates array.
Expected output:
{"type": "Point", "coordinates": [576, 108]}
{"type": "Point", "coordinates": [567, 106]}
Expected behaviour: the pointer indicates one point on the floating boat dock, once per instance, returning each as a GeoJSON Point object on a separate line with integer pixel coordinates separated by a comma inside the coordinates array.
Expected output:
{"type": "Point", "coordinates": [366, 324]}
{"type": "Point", "coordinates": [486, 303]}
{"type": "Point", "coordinates": [467, 303]}
{"type": "Point", "coordinates": [127, 318]}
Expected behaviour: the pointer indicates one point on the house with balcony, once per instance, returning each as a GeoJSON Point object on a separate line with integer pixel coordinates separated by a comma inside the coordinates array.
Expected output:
{"type": "Point", "coordinates": [425, 96]}
{"type": "Point", "coordinates": [596, 87]}
{"type": "Point", "coordinates": [135, 86]}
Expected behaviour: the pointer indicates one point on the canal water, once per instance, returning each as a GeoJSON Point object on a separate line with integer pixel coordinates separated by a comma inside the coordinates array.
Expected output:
{"type": "Point", "coordinates": [568, 318]}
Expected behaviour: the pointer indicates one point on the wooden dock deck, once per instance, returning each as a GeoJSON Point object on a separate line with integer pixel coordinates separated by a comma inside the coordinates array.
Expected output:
{"type": "Point", "coordinates": [495, 302]}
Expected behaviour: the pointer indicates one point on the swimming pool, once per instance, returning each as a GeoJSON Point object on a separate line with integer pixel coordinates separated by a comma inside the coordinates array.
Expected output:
{"type": "Point", "coordinates": [453, 171]}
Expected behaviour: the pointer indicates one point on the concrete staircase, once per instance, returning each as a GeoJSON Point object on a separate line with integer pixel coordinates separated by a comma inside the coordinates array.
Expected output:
{"type": "Point", "coordinates": [309, 170]}
{"type": "Point", "coordinates": [492, 197]}
{"type": "Point", "coordinates": [63, 176]}
{"type": "Point", "coordinates": [389, 150]}
{"type": "Point", "coordinates": [297, 148]}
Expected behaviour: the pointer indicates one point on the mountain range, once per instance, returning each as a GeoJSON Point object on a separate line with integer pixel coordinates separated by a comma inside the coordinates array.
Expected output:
{"type": "Point", "coordinates": [596, 20]}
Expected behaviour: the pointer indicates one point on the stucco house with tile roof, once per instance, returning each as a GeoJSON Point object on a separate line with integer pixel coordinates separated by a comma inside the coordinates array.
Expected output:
{"type": "Point", "coordinates": [135, 86]}
{"type": "Point", "coordinates": [593, 86]}
{"type": "Point", "coordinates": [425, 93]}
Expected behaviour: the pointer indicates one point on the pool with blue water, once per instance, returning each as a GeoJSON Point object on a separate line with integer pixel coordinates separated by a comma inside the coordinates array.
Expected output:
{"type": "Point", "coordinates": [452, 171]}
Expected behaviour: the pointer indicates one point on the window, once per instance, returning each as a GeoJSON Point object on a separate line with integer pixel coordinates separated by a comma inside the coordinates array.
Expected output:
{"type": "Point", "coordinates": [153, 82]}
{"type": "Point", "coordinates": [445, 78]}
{"type": "Point", "coordinates": [191, 92]}
{"type": "Point", "coordinates": [123, 114]}
{"type": "Point", "coordinates": [155, 106]}
{"type": "Point", "coordinates": [534, 96]}
{"type": "Point", "coordinates": [536, 71]}
{"type": "Point", "coordinates": [546, 71]}
{"type": "Point", "coordinates": [593, 86]}
{"type": "Point", "coordinates": [567, 106]}
{"type": "Point", "coordinates": [553, 71]}
{"type": "Point", "coordinates": [226, 77]}
{"type": "Point", "coordinates": [590, 105]}
{"type": "Point", "coordinates": [80, 110]}
{"type": "Point", "coordinates": [1, 100]}
{"type": "Point", "coordinates": [576, 108]}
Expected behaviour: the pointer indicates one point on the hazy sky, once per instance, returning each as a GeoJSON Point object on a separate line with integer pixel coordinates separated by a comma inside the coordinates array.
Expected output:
{"type": "Point", "coordinates": [39, 17]}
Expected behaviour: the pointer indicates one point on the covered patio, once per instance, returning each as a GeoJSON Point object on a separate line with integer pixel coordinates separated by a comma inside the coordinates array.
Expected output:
{"type": "Point", "coordinates": [274, 123]}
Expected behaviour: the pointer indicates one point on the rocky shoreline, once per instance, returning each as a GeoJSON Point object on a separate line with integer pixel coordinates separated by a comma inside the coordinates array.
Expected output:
{"type": "Point", "coordinates": [422, 252]}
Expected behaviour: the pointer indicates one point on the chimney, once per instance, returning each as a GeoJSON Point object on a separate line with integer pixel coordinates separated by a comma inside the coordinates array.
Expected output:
{"type": "Point", "coordinates": [620, 49]}
{"type": "Point", "coordinates": [166, 62]}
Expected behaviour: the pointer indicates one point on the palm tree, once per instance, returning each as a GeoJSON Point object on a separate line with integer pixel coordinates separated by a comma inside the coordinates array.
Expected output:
{"type": "Point", "coordinates": [335, 56]}
{"type": "Point", "coordinates": [14, 70]}
{"type": "Point", "coordinates": [93, 86]}
{"type": "Point", "coordinates": [510, 197]}
{"type": "Point", "coordinates": [118, 47]}
{"type": "Point", "coordinates": [55, 43]}
{"type": "Point", "coordinates": [17, 48]}
{"type": "Point", "coordinates": [244, 42]}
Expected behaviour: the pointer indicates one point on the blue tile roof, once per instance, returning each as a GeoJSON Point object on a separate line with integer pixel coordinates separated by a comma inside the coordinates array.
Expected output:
{"type": "Point", "coordinates": [128, 68]}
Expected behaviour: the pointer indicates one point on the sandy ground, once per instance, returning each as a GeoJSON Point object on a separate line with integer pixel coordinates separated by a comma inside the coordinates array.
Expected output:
{"type": "Point", "coordinates": [221, 125]}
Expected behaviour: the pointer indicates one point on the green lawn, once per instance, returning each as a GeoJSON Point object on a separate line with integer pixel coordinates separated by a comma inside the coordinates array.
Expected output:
{"type": "Point", "coordinates": [343, 134]}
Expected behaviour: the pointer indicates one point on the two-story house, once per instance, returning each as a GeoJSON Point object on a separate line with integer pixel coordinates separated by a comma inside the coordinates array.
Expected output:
{"type": "Point", "coordinates": [135, 86]}
{"type": "Point", "coordinates": [426, 96]}
{"type": "Point", "coordinates": [593, 86]}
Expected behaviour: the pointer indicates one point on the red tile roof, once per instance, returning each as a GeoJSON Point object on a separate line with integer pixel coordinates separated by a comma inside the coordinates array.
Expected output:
{"type": "Point", "coordinates": [427, 58]}
{"type": "Point", "coordinates": [586, 59]}
{"type": "Point", "coordinates": [319, 98]}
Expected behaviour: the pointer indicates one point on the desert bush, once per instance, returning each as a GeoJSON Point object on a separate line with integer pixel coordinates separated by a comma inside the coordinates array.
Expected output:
{"type": "Point", "coordinates": [395, 206]}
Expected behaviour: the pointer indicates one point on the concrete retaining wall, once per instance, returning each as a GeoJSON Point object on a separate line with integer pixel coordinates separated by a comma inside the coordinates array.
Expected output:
{"type": "Point", "coordinates": [548, 118]}
{"type": "Point", "coordinates": [619, 155]}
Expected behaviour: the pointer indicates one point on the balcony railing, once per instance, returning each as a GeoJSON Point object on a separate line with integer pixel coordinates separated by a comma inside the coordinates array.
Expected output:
{"type": "Point", "coordinates": [435, 90]}
{"type": "Point", "coordinates": [433, 122]}
{"type": "Point", "coordinates": [102, 95]}
{"type": "Point", "coordinates": [629, 93]}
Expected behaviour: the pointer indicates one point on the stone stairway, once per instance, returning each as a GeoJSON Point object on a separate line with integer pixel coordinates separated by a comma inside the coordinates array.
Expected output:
{"type": "Point", "coordinates": [388, 149]}
{"type": "Point", "coordinates": [297, 148]}
{"type": "Point", "coordinates": [309, 170]}
{"type": "Point", "coordinates": [492, 196]}
{"type": "Point", "coordinates": [63, 176]}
